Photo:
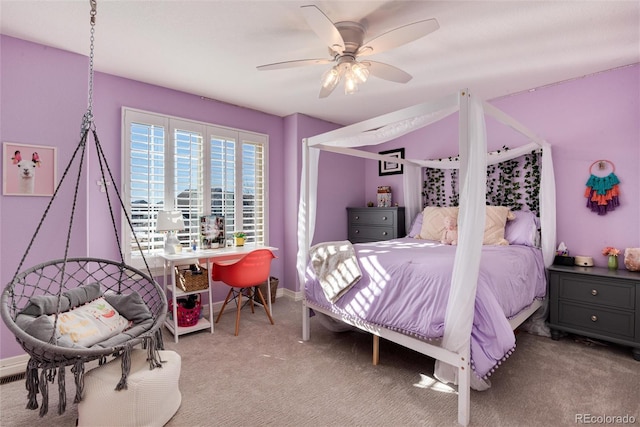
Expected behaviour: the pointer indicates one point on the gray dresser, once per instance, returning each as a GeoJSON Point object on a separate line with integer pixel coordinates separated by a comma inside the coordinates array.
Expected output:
{"type": "Point", "coordinates": [595, 302]}
{"type": "Point", "coordinates": [375, 224]}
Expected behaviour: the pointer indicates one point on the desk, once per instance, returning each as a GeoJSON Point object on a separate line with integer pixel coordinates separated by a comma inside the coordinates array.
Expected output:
{"type": "Point", "coordinates": [190, 257]}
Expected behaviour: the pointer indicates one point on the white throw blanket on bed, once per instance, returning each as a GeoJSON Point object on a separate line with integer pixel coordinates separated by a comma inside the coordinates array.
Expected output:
{"type": "Point", "coordinates": [336, 267]}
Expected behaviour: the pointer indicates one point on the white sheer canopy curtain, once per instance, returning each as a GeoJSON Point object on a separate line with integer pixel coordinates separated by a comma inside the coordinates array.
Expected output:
{"type": "Point", "coordinates": [471, 218]}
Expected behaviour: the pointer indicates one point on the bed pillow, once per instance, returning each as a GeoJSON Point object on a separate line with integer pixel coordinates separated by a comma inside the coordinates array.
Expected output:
{"type": "Point", "coordinates": [495, 222]}
{"type": "Point", "coordinates": [433, 221]}
{"type": "Point", "coordinates": [416, 226]}
{"type": "Point", "coordinates": [523, 230]}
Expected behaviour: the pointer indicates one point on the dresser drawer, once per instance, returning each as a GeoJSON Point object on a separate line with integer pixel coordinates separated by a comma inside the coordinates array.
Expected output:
{"type": "Point", "coordinates": [596, 291]}
{"type": "Point", "coordinates": [370, 234]}
{"type": "Point", "coordinates": [371, 217]}
{"type": "Point", "coordinates": [375, 224]}
{"type": "Point", "coordinates": [596, 319]}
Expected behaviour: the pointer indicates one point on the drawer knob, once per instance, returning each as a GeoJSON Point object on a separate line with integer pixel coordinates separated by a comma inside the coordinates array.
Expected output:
{"type": "Point", "coordinates": [357, 231]}
{"type": "Point", "coordinates": [594, 318]}
{"type": "Point", "coordinates": [384, 218]}
{"type": "Point", "coordinates": [594, 292]}
{"type": "Point", "coordinates": [357, 217]}
{"type": "Point", "coordinates": [384, 233]}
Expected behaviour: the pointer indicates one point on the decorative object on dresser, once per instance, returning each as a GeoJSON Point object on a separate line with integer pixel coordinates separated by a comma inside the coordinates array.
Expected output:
{"type": "Point", "coordinates": [612, 257]}
{"type": "Point", "coordinates": [632, 259]}
{"type": "Point", "coordinates": [384, 196]}
{"type": "Point", "coordinates": [374, 224]}
{"type": "Point", "coordinates": [595, 302]}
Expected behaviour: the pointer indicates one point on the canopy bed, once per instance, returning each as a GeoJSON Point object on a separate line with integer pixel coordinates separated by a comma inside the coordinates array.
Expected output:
{"type": "Point", "coordinates": [453, 345]}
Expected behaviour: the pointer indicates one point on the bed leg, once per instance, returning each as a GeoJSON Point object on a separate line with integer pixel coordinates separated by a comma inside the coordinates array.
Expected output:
{"type": "Point", "coordinates": [464, 393]}
{"type": "Point", "coordinates": [306, 326]}
{"type": "Point", "coordinates": [376, 349]}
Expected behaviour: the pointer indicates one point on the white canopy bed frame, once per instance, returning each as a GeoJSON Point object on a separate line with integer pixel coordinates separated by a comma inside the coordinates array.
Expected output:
{"type": "Point", "coordinates": [452, 354]}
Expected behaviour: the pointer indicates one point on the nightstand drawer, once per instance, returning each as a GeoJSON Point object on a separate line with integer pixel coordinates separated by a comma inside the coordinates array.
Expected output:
{"type": "Point", "coordinates": [371, 234]}
{"type": "Point", "coordinates": [595, 291]}
{"type": "Point", "coordinates": [371, 217]}
{"type": "Point", "coordinates": [596, 319]}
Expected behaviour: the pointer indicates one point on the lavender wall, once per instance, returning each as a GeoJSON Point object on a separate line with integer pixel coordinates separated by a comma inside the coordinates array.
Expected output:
{"type": "Point", "coordinates": [587, 119]}
{"type": "Point", "coordinates": [341, 187]}
{"type": "Point", "coordinates": [44, 96]}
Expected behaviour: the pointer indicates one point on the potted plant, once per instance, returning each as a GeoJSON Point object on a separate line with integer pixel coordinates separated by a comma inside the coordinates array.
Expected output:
{"type": "Point", "coordinates": [239, 237]}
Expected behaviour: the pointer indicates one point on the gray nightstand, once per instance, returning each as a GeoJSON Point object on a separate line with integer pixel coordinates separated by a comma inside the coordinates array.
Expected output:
{"type": "Point", "coordinates": [375, 224]}
{"type": "Point", "coordinates": [596, 302]}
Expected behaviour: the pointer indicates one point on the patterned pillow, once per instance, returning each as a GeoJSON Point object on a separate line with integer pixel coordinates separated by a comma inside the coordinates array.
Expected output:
{"type": "Point", "coordinates": [496, 219]}
{"type": "Point", "coordinates": [433, 221]}
{"type": "Point", "coordinates": [495, 222]}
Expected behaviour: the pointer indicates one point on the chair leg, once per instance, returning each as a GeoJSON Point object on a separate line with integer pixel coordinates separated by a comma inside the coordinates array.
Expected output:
{"type": "Point", "coordinates": [266, 307]}
{"type": "Point", "coordinates": [250, 296]}
{"type": "Point", "coordinates": [238, 313]}
{"type": "Point", "coordinates": [225, 304]}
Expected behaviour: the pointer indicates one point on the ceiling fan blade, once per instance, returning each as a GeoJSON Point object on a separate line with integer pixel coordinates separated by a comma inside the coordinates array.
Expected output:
{"type": "Point", "coordinates": [323, 27]}
{"type": "Point", "coordinates": [398, 37]}
{"type": "Point", "coordinates": [387, 72]}
{"type": "Point", "coordinates": [292, 64]}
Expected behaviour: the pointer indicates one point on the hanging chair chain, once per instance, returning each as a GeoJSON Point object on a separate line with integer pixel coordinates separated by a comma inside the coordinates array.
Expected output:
{"type": "Point", "coordinates": [87, 120]}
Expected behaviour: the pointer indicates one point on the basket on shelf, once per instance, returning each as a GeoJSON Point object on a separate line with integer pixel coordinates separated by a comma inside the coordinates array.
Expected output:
{"type": "Point", "coordinates": [191, 280]}
{"type": "Point", "coordinates": [187, 315]}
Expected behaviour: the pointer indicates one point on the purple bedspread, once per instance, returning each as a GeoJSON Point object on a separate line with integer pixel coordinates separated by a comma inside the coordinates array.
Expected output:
{"type": "Point", "coordinates": [405, 287]}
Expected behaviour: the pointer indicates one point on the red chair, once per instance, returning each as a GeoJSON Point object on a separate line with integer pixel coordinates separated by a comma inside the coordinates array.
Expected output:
{"type": "Point", "coordinates": [244, 276]}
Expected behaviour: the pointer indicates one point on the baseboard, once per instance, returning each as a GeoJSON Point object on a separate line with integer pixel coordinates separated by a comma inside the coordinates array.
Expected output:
{"type": "Point", "coordinates": [13, 365]}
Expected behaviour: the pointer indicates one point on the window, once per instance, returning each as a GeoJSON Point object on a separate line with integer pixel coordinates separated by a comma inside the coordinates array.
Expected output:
{"type": "Point", "coordinates": [197, 168]}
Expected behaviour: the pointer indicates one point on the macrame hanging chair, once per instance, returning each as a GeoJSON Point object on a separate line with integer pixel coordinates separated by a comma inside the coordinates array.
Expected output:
{"type": "Point", "coordinates": [51, 286]}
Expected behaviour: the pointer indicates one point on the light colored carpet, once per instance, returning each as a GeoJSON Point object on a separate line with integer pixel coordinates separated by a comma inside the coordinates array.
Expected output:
{"type": "Point", "coordinates": [269, 376]}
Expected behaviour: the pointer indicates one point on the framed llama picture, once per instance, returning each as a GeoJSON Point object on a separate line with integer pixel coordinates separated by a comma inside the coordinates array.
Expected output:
{"type": "Point", "coordinates": [28, 170]}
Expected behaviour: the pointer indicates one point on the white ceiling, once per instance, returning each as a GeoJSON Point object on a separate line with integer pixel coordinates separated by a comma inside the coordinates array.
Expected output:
{"type": "Point", "coordinates": [211, 48]}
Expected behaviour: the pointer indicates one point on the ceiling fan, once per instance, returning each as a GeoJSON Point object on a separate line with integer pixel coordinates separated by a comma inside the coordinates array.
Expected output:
{"type": "Point", "coordinates": [346, 45]}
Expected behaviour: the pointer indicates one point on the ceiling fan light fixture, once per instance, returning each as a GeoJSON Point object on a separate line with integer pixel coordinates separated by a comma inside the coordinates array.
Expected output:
{"type": "Point", "coordinates": [360, 72]}
{"type": "Point", "coordinates": [330, 78]}
{"type": "Point", "coordinates": [350, 83]}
